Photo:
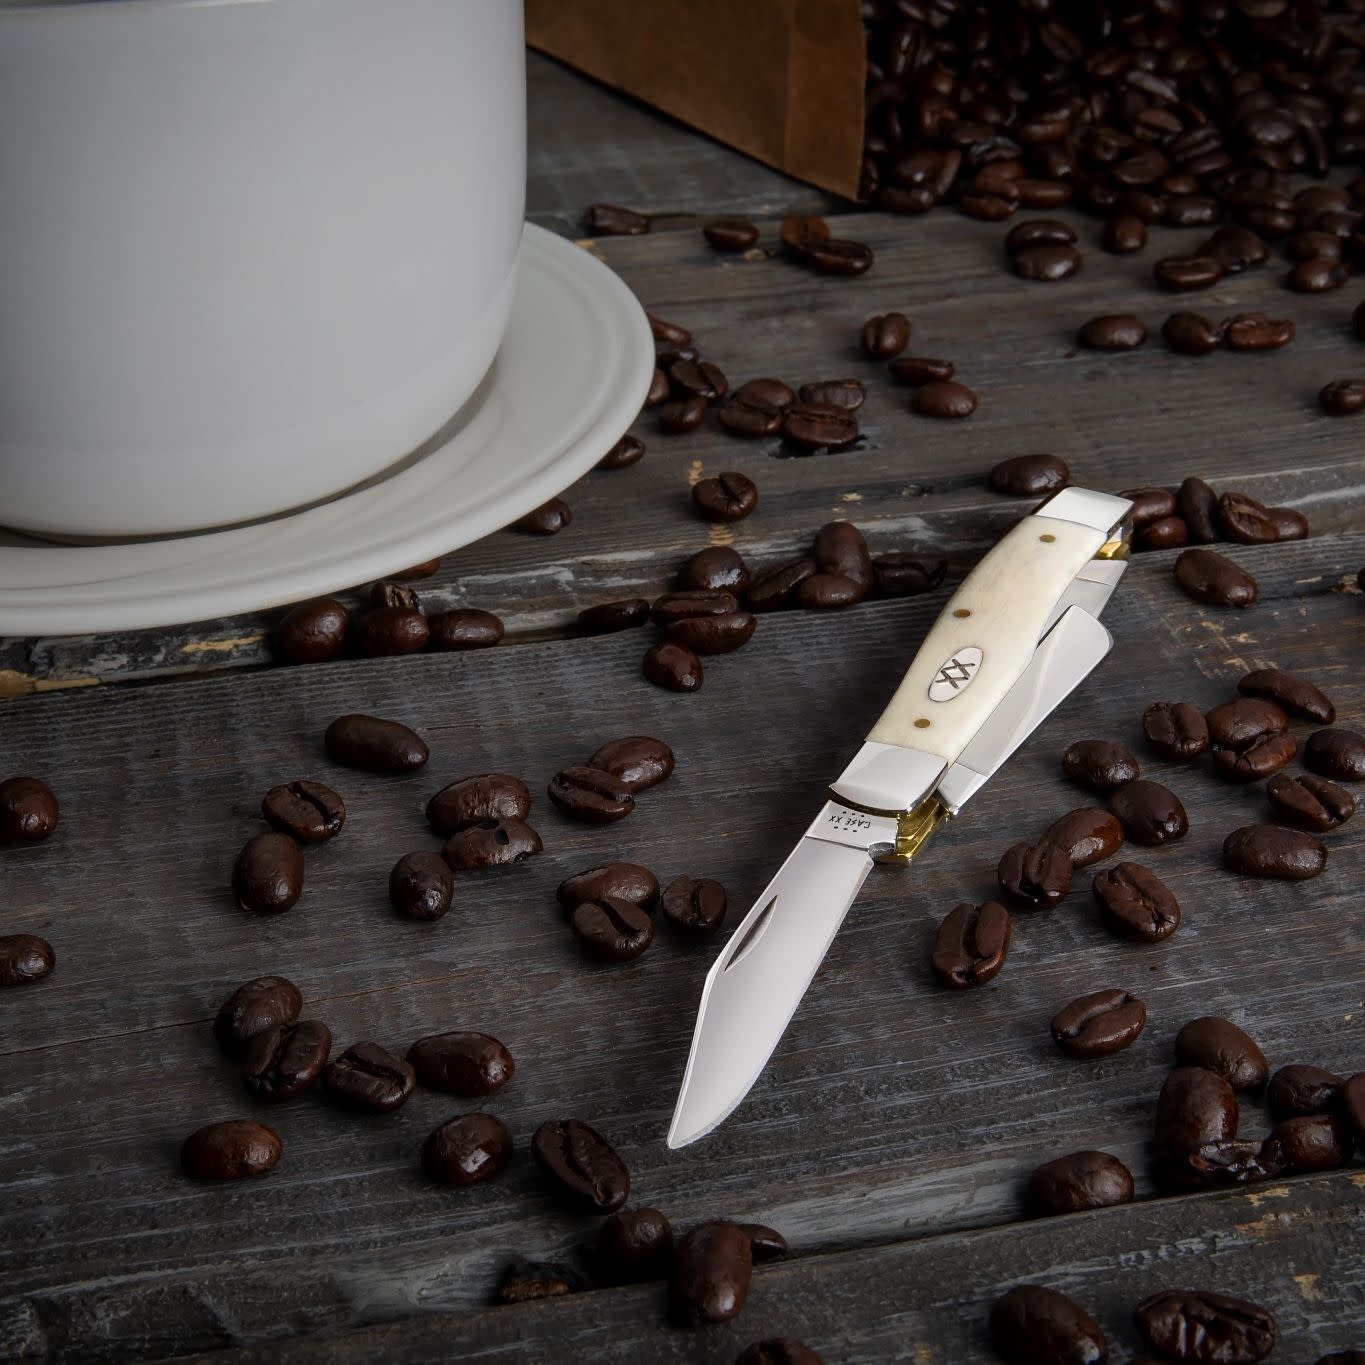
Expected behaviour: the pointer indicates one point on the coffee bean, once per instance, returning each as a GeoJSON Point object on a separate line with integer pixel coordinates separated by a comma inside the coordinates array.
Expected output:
{"type": "Point", "coordinates": [1293, 694]}
{"type": "Point", "coordinates": [671, 333]}
{"type": "Point", "coordinates": [1353, 1105]}
{"type": "Point", "coordinates": [712, 1267]}
{"type": "Point", "coordinates": [491, 843]}
{"type": "Point", "coordinates": [1100, 1023]}
{"type": "Point", "coordinates": [1216, 581]}
{"type": "Point", "coordinates": [1297, 1090]}
{"type": "Point", "coordinates": [1099, 764]}
{"type": "Point", "coordinates": [776, 588]}
{"type": "Point", "coordinates": [730, 234]}
{"type": "Point", "coordinates": [1256, 332]}
{"type": "Point", "coordinates": [263, 1003]}
{"type": "Point", "coordinates": [1166, 533]}
{"type": "Point", "coordinates": [1151, 814]}
{"type": "Point", "coordinates": [694, 906]}
{"type": "Point", "coordinates": [1311, 245]}
{"type": "Point", "coordinates": [638, 761]}
{"type": "Point", "coordinates": [591, 795]}
{"type": "Point", "coordinates": [1342, 397]}
{"type": "Point", "coordinates": [673, 666]}
{"type": "Point", "coordinates": [421, 886]}
{"type": "Point", "coordinates": [1136, 903]}
{"type": "Point", "coordinates": [387, 594]}
{"type": "Point", "coordinates": [886, 335]}
{"type": "Point", "coordinates": [28, 810]}
{"type": "Point", "coordinates": [1052, 261]}
{"type": "Point", "coordinates": [1175, 731]}
{"type": "Point", "coordinates": [467, 1150]}
{"type": "Point", "coordinates": [549, 519]}
{"type": "Point", "coordinates": [1195, 1324]}
{"type": "Point", "coordinates": [944, 398]}
{"type": "Point", "coordinates": [1035, 1325]}
{"type": "Point", "coordinates": [374, 745]}
{"type": "Point", "coordinates": [1149, 505]}
{"type": "Point", "coordinates": [1218, 1045]}
{"type": "Point", "coordinates": [681, 606]}
{"type": "Point", "coordinates": [838, 256]}
{"type": "Point", "coordinates": [1086, 835]}
{"type": "Point", "coordinates": [767, 393]}
{"type": "Point", "coordinates": [659, 392]}
{"type": "Point", "coordinates": [527, 1281]}
{"type": "Point", "coordinates": [1308, 802]}
{"type": "Point", "coordinates": [1024, 476]}
{"type": "Point", "coordinates": [1235, 248]}
{"type": "Point", "coordinates": [486, 796]}
{"type": "Point", "coordinates": [1255, 759]}
{"type": "Point", "coordinates": [1081, 1180]}
{"type": "Point", "coordinates": [1269, 851]}
{"type": "Point", "coordinates": [698, 377]}
{"type": "Point", "coordinates": [389, 631]}
{"type": "Point", "coordinates": [284, 1060]}
{"type": "Point", "coordinates": [1195, 1107]}
{"type": "Point", "coordinates": [920, 369]}
{"type": "Point", "coordinates": [840, 548]}
{"type": "Point", "coordinates": [619, 881]}
{"type": "Point", "coordinates": [1124, 233]}
{"type": "Point", "coordinates": [611, 220]}
{"type": "Point", "coordinates": [778, 1351]}
{"type": "Point", "coordinates": [749, 418]}
{"type": "Point", "coordinates": [1311, 1142]}
{"type": "Point", "coordinates": [1181, 273]}
{"type": "Point", "coordinates": [1035, 875]}
{"type": "Point", "coordinates": [1249, 522]}
{"type": "Point", "coordinates": [972, 944]}
{"type": "Point", "coordinates": [1038, 232]}
{"type": "Point", "coordinates": [634, 1245]}
{"type": "Point", "coordinates": [1197, 503]}
{"type": "Point", "coordinates": [829, 591]}
{"type": "Point", "coordinates": [726, 497]}
{"type": "Point", "coordinates": [718, 568]}
{"type": "Point", "coordinates": [799, 231]}
{"type": "Point", "coordinates": [230, 1150]}
{"type": "Point", "coordinates": [461, 1063]}
{"type": "Point", "coordinates": [1113, 332]}
{"type": "Point", "coordinates": [306, 811]}
{"type": "Point", "coordinates": [681, 415]}
{"type": "Point", "coordinates": [24, 958]}
{"type": "Point", "coordinates": [819, 426]}
{"type": "Point", "coordinates": [465, 628]}
{"type": "Point", "coordinates": [581, 1165]}
{"type": "Point", "coordinates": [1317, 276]}
{"type": "Point", "coordinates": [1336, 753]}
{"type": "Point", "coordinates": [765, 1243]}
{"type": "Point", "coordinates": [312, 632]}
{"type": "Point", "coordinates": [904, 575]}
{"type": "Point", "coordinates": [369, 1078]}
{"type": "Point", "coordinates": [991, 199]}
{"type": "Point", "coordinates": [630, 448]}
{"type": "Point", "coordinates": [1238, 722]}
{"type": "Point", "coordinates": [612, 930]}
{"type": "Point", "coordinates": [268, 874]}
{"type": "Point", "coordinates": [665, 357]}
{"type": "Point", "coordinates": [1191, 210]}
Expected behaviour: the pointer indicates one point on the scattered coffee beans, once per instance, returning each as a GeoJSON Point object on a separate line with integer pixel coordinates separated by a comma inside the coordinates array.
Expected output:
{"type": "Point", "coordinates": [1135, 903]}
{"type": "Point", "coordinates": [904, 575]}
{"type": "Point", "coordinates": [1297, 1090]}
{"type": "Point", "coordinates": [28, 810]}
{"type": "Point", "coordinates": [1292, 694]}
{"type": "Point", "coordinates": [1046, 262]}
{"type": "Point", "coordinates": [1208, 577]}
{"type": "Point", "coordinates": [718, 568]}
{"type": "Point", "coordinates": [1086, 835]}
{"type": "Point", "coordinates": [611, 220]}
{"type": "Point", "coordinates": [387, 631]}
{"type": "Point", "coordinates": [461, 1063]}
{"type": "Point", "coordinates": [1024, 476]}
{"type": "Point", "coordinates": [1308, 802]}
{"type": "Point", "coordinates": [550, 518]}
{"type": "Point", "coordinates": [838, 393]}
{"type": "Point", "coordinates": [1270, 851]}
{"type": "Point", "coordinates": [375, 745]}
{"type": "Point", "coordinates": [1312, 1142]}
{"type": "Point", "coordinates": [1099, 764]}
{"type": "Point", "coordinates": [253, 1008]}
{"type": "Point", "coordinates": [487, 796]}
{"type": "Point", "coordinates": [1195, 1324]}
{"type": "Point", "coordinates": [230, 1151]}
{"type": "Point", "coordinates": [368, 1078]}
{"type": "Point", "coordinates": [730, 234]}
{"type": "Point", "coordinates": [619, 881]}
{"type": "Point", "coordinates": [1150, 813]}
{"type": "Point", "coordinates": [421, 886]}
{"type": "Point", "coordinates": [24, 959]}
{"type": "Point", "coordinates": [268, 875]}
{"type": "Point", "coordinates": [630, 448]}
{"type": "Point", "coordinates": [283, 1061]}
{"type": "Point", "coordinates": [306, 811]}
{"type": "Point", "coordinates": [1035, 1325]}
{"type": "Point", "coordinates": [1195, 1108]}
{"type": "Point", "coordinates": [1124, 233]}
{"type": "Point", "coordinates": [638, 761]}
{"type": "Point", "coordinates": [467, 1150]}
{"type": "Point", "coordinates": [1218, 1045]}
{"type": "Point", "coordinates": [1035, 875]}
{"type": "Point", "coordinates": [526, 1281]}
{"type": "Point", "coordinates": [612, 930]}
{"type": "Point", "coordinates": [694, 906]}
{"type": "Point", "coordinates": [972, 944]}
{"type": "Point", "coordinates": [591, 795]}
{"type": "Point", "coordinates": [581, 1165]}
{"type": "Point", "coordinates": [943, 398]}
{"type": "Point", "coordinates": [1113, 332]}
{"type": "Point", "coordinates": [1336, 753]}
{"type": "Point", "coordinates": [1257, 332]}
{"type": "Point", "coordinates": [1191, 334]}
{"type": "Point", "coordinates": [886, 335]}
{"type": "Point", "coordinates": [1183, 273]}
{"type": "Point", "coordinates": [1098, 1024]}
{"type": "Point", "coordinates": [712, 1267]}
{"type": "Point", "coordinates": [1175, 731]}
{"type": "Point", "coordinates": [634, 1245]}
{"type": "Point", "coordinates": [915, 370]}
{"type": "Point", "coordinates": [465, 628]}
{"type": "Point", "coordinates": [491, 843]}
{"type": "Point", "coordinates": [681, 415]}
{"type": "Point", "coordinates": [673, 666]}
{"type": "Point", "coordinates": [1081, 1180]}
{"type": "Point", "coordinates": [819, 426]}
{"type": "Point", "coordinates": [312, 632]}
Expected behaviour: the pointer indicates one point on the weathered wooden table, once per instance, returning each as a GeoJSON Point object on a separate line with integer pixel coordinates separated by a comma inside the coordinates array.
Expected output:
{"type": "Point", "coordinates": [891, 1133]}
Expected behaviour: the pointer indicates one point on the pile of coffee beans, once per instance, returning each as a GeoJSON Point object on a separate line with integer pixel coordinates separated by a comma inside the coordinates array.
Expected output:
{"type": "Point", "coordinates": [28, 814]}
{"type": "Point", "coordinates": [1194, 514]}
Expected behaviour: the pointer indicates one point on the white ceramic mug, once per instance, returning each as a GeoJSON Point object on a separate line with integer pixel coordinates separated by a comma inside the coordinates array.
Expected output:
{"type": "Point", "coordinates": [251, 251]}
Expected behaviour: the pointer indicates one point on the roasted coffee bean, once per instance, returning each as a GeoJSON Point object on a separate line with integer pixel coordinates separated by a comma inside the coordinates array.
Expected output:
{"type": "Point", "coordinates": [699, 377]}
{"type": "Point", "coordinates": [712, 1267]}
{"type": "Point", "coordinates": [1317, 276]}
{"type": "Point", "coordinates": [839, 256]}
{"type": "Point", "coordinates": [1311, 245]}
{"type": "Point", "coordinates": [766, 393]}
{"type": "Point", "coordinates": [486, 796]}
{"type": "Point", "coordinates": [369, 1078]}
{"type": "Point", "coordinates": [904, 575]}
{"type": "Point", "coordinates": [1197, 504]}
{"type": "Point", "coordinates": [1175, 730]}
{"type": "Point", "coordinates": [1100, 1023]}
{"type": "Point", "coordinates": [1113, 332]}
{"type": "Point", "coordinates": [1218, 1045]}
{"type": "Point", "coordinates": [1086, 835]}
{"type": "Point", "coordinates": [527, 1281]}
{"type": "Point", "coordinates": [1195, 1107]}
{"type": "Point", "coordinates": [421, 886]}
{"type": "Point", "coordinates": [840, 548]}
{"type": "Point", "coordinates": [765, 1243]}
{"type": "Point", "coordinates": [465, 628]}
{"type": "Point", "coordinates": [388, 594]}
{"type": "Point", "coordinates": [1151, 814]}
{"type": "Point", "coordinates": [1191, 210]}
{"type": "Point", "coordinates": [1038, 232]}
{"type": "Point", "coordinates": [991, 199]}
{"type": "Point", "coordinates": [681, 415]}
{"type": "Point", "coordinates": [1308, 802]}
{"type": "Point", "coordinates": [839, 393]}
{"type": "Point", "coordinates": [25, 958]}
{"type": "Point", "coordinates": [943, 398]}
{"type": "Point", "coordinates": [670, 333]}
{"type": "Point", "coordinates": [268, 875]}
{"type": "Point", "coordinates": [491, 843]}
{"type": "Point", "coordinates": [461, 1063]}
{"type": "Point", "coordinates": [679, 606]}
{"type": "Point", "coordinates": [1217, 1164]}
{"type": "Point", "coordinates": [306, 811]}
{"type": "Point", "coordinates": [591, 795]}
{"type": "Point", "coordinates": [819, 426]}
{"type": "Point", "coordinates": [1243, 519]}
{"type": "Point", "coordinates": [638, 761]}
{"type": "Point", "coordinates": [1216, 581]}
{"type": "Point", "coordinates": [263, 1003]}
{"type": "Point", "coordinates": [1311, 1142]}
{"type": "Point", "coordinates": [777, 587]}
{"type": "Point", "coordinates": [1035, 875]}
{"type": "Point", "coordinates": [374, 745]}
{"type": "Point", "coordinates": [387, 631]}
{"type": "Point", "coordinates": [718, 568]}
{"type": "Point", "coordinates": [1270, 851]}
{"type": "Point", "coordinates": [1081, 1180]}
{"type": "Point", "coordinates": [1046, 263]}
{"type": "Point", "coordinates": [1124, 233]}
{"type": "Point", "coordinates": [778, 1351]}
{"type": "Point", "coordinates": [920, 369]}
{"type": "Point", "coordinates": [1195, 1324]}
{"type": "Point", "coordinates": [284, 1060]}
{"type": "Point", "coordinates": [748, 418]}
{"type": "Point", "coordinates": [1256, 759]}
{"type": "Point", "coordinates": [467, 1150]}
{"type": "Point", "coordinates": [1298, 1090]}
{"type": "Point", "coordinates": [1099, 764]}
{"type": "Point", "coordinates": [1166, 533]}
{"type": "Point", "coordinates": [659, 392]}
{"type": "Point", "coordinates": [1353, 1105]}
{"type": "Point", "coordinates": [231, 1150]}
{"type": "Point", "coordinates": [1024, 476]}
{"type": "Point", "coordinates": [634, 1245]}
{"type": "Point", "coordinates": [612, 930]}
{"type": "Point", "coordinates": [886, 335]}
{"type": "Point", "coordinates": [1239, 722]}
{"type": "Point", "coordinates": [673, 666]}
{"type": "Point", "coordinates": [620, 881]}
{"type": "Point", "coordinates": [1256, 332]}
{"type": "Point", "coordinates": [549, 519]}
{"type": "Point", "coordinates": [695, 906]}
{"type": "Point", "coordinates": [730, 234]}
{"type": "Point", "coordinates": [581, 1165]}
{"type": "Point", "coordinates": [611, 220]}
{"type": "Point", "coordinates": [28, 810]}
{"type": "Point", "coordinates": [312, 632]}
{"type": "Point", "coordinates": [726, 497]}
{"type": "Point", "coordinates": [1035, 1325]}
{"type": "Point", "coordinates": [423, 570]}
{"type": "Point", "coordinates": [1336, 753]}
{"type": "Point", "coordinates": [1293, 694]}
{"type": "Point", "coordinates": [972, 944]}
{"type": "Point", "coordinates": [629, 449]}
{"type": "Point", "coordinates": [1342, 397]}
{"type": "Point", "coordinates": [1136, 903]}
{"type": "Point", "coordinates": [829, 591]}
{"type": "Point", "coordinates": [1235, 248]}
{"type": "Point", "coordinates": [1183, 273]}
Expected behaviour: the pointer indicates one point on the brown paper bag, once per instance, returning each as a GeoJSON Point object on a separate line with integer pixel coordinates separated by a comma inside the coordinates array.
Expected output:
{"type": "Point", "coordinates": [779, 79]}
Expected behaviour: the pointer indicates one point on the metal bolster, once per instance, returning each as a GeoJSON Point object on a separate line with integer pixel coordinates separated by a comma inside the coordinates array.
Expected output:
{"type": "Point", "coordinates": [891, 782]}
{"type": "Point", "coordinates": [1099, 511]}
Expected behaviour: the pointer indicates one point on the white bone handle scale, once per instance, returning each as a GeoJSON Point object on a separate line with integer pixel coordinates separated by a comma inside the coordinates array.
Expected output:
{"type": "Point", "coordinates": [978, 648]}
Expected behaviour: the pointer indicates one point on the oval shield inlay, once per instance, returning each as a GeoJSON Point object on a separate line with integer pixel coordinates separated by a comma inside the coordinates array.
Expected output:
{"type": "Point", "coordinates": [955, 674]}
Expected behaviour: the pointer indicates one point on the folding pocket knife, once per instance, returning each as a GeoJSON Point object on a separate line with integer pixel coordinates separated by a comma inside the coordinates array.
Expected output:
{"type": "Point", "coordinates": [1012, 643]}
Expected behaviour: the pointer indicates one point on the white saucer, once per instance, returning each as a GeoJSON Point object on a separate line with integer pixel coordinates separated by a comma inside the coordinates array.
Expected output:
{"type": "Point", "coordinates": [570, 377]}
